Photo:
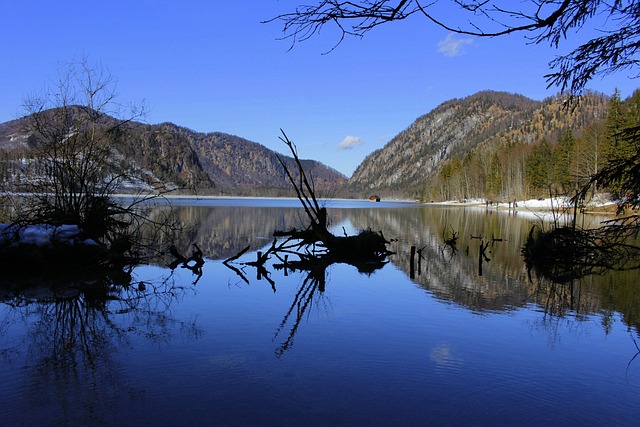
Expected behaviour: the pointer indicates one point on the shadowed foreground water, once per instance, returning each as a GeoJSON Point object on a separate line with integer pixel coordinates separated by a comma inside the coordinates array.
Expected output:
{"type": "Point", "coordinates": [448, 347]}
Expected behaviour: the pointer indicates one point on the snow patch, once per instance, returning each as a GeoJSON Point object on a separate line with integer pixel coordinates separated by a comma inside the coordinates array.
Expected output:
{"type": "Point", "coordinates": [42, 235]}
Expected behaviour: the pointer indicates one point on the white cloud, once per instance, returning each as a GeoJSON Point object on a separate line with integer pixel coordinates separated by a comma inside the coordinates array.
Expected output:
{"type": "Point", "coordinates": [349, 142]}
{"type": "Point", "coordinates": [452, 46]}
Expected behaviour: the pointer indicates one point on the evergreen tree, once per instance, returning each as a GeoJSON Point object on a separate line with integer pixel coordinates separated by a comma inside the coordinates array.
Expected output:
{"type": "Point", "coordinates": [538, 167]}
{"type": "Point", "coordinates": [623, 118]}
{"type": "Point", "coordinates": [563, 173]}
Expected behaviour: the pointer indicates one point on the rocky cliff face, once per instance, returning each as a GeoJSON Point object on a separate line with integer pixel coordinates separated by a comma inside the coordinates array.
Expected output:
{"type": "Point", "coordinates": [458, 126]}
{"type": "Point", "coordinates": [453, 127]}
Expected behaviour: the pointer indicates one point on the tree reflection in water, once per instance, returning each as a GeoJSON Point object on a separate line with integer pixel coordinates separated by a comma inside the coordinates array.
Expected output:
{"type": "Point", "coordinates": [314, 270]}
{"type": "Point", "coordinates": [486, 273]}
{"type": "Point", "coordinates": [84, 357]}
{"type": "Point", "coordinates": [560, 260]}
{"type": "Point", "coordinates": [313, 285]}
{"type": "Point", "coordinates": [75, 330]}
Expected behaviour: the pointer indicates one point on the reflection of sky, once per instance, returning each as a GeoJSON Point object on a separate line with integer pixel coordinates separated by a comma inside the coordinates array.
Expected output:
{"type": "Point", "coordinates": [268, 202]}
{"type": "Point", "coordinates": [370, 349]}
{"type": "Point", "coordinates": [343, 227]}
{"type": "Point", "coordinates": [444, 358]}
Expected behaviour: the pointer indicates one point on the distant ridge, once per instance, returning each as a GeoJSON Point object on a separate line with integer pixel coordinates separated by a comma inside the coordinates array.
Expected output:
{"type": "Point", "coordinates": [213, 163]}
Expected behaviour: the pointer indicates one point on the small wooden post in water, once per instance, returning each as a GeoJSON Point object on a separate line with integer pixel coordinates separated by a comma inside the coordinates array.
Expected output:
{"type": "Point", "coordinates": [258, 273]}
{"type": "Point", "coordinates": [412, 267]}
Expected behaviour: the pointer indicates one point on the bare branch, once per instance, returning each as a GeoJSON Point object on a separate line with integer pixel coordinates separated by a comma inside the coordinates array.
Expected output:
{"type": "Point", "coordinates": [543, 21]}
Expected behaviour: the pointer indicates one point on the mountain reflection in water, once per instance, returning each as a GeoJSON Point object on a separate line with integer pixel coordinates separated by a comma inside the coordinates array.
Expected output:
{"type": "Point", "coordinates": [223, 231]}
{"type": "Point", "coordinates": [449, 346]}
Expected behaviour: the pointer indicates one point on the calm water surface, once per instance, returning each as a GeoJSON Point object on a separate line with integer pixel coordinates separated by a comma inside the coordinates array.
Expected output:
{"type": "Point", "coordinates": [448, 347]}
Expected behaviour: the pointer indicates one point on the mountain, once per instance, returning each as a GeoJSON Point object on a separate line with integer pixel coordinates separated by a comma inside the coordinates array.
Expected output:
{"type": "Point", "coordinates": [171, 156]}
{"type": "Point", "coordinates": [458, 126]}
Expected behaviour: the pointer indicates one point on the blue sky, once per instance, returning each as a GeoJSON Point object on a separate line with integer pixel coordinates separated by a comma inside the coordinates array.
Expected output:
{"type": "Point", "coordinates": [212, 66]}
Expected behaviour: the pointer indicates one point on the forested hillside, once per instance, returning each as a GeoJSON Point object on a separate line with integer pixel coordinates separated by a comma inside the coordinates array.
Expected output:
{"type": "Point", "coordinates": [555, 153]}
{"type": "Point", "coordinates": [170, 157]}
{"type": "Point", "coordinates": [496, 145]}
{"type": "Point", "coordinates": [452, 128]}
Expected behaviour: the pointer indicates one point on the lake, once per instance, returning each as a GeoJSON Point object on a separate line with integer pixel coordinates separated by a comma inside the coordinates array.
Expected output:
{"type": "Point", "coordinates": [460, 339]}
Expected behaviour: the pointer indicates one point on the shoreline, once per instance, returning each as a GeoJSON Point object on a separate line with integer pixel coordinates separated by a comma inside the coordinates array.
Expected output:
{"type": "Point", "coordinates": [560, 206]}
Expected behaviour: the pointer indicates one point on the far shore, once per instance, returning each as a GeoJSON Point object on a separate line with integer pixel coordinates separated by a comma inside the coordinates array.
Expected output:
{"type": "Point", "coordinates": [599, 206]}
{"type": "Point", "coordinates": [560, 204]}
{"type": "Point", "coordinates": [219, 197]}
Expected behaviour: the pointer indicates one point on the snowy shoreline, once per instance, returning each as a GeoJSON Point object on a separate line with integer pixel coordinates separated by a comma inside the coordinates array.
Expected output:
{"type": "Point", "coordinates": [559, 205]}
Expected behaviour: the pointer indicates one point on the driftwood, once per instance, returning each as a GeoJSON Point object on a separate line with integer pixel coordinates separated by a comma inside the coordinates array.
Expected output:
{"type": "Point", "coordinates": [482, 256]}
{"type": "Point", "coordinates": [315, 247]}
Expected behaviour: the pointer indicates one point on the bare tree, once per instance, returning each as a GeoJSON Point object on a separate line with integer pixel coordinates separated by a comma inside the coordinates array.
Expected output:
{"type": "Point", "coordinates": [543, 21]}
{"type": "Point", "coordinates": [588, 155]}
{"type": "Point", "coordinates": [74, 140]}
{"type": "Point", "coordinates": [73, 165]}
